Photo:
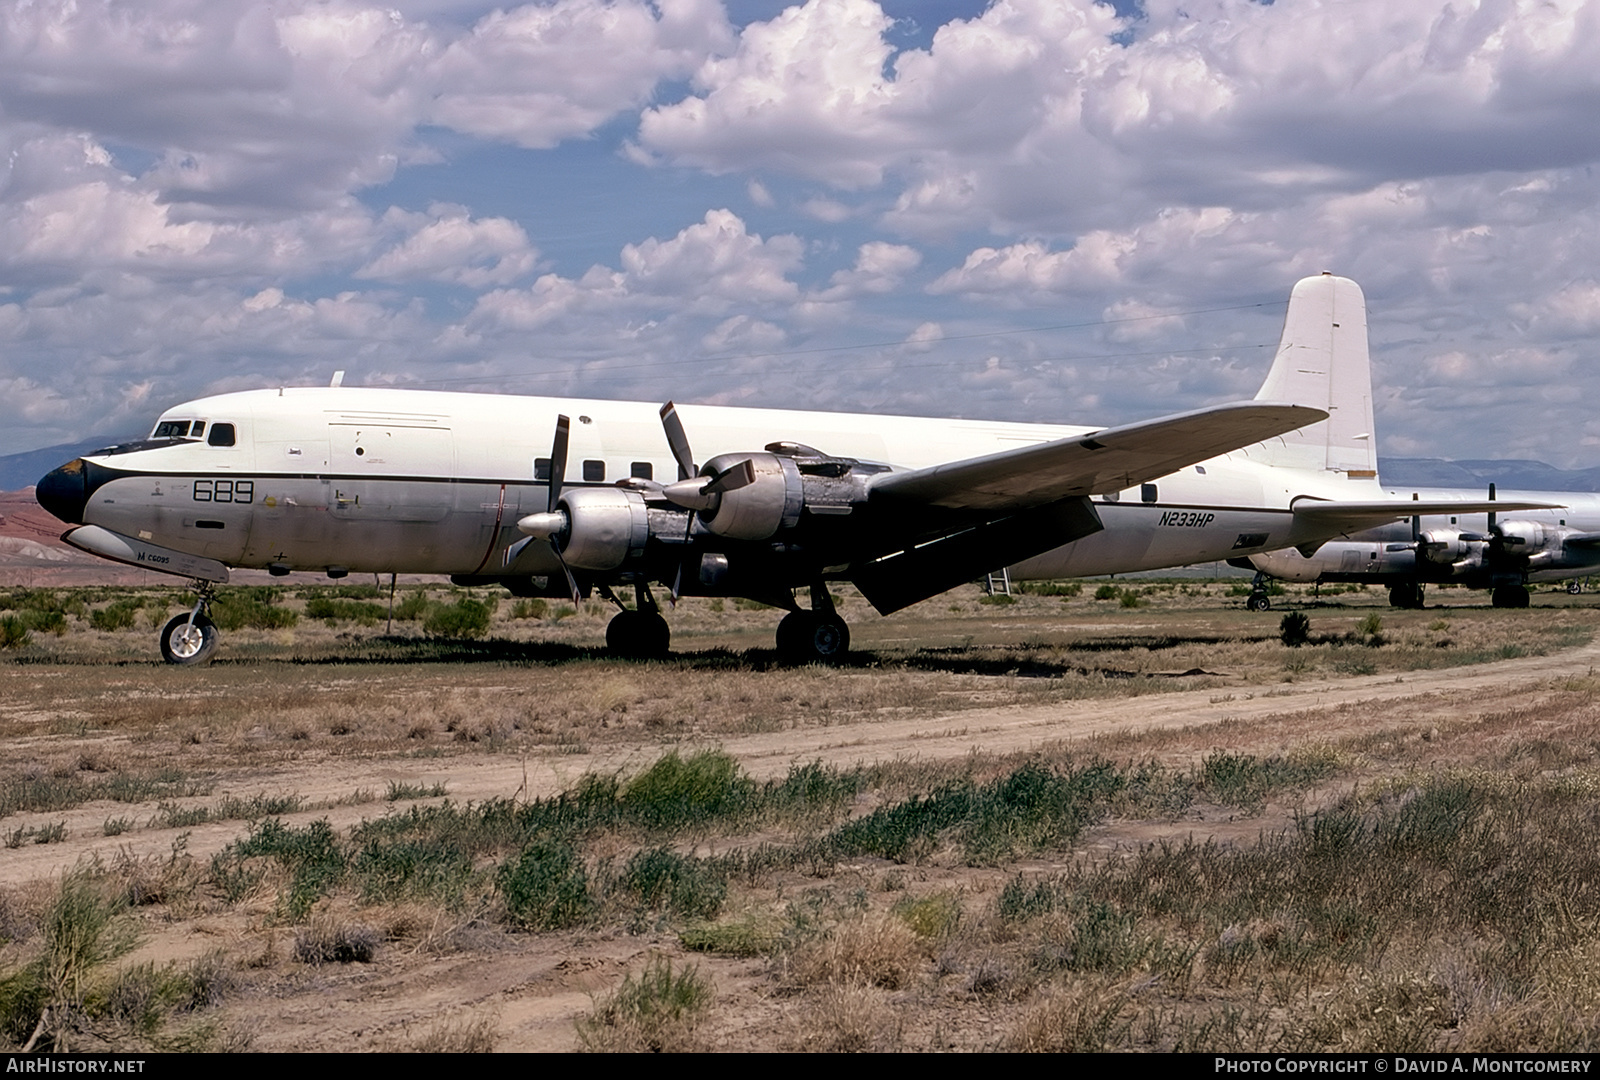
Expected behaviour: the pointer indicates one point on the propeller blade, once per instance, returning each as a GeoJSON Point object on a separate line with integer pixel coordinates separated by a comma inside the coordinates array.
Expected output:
{"type": "Point", "coordinates": [1492, 515]}
{"type": "Point", "coordinates": [1416, 522]}
{"type": "Point", "coordinates": [678, 439]}
{"type": "Point", "coordinates": [732, 478]}
{"type": "Point", "coordinates": [572, 582]}
{"type": "Point", "coordinates": [514, 550]}
{"type": "Point", "coordinates": [558, 461]}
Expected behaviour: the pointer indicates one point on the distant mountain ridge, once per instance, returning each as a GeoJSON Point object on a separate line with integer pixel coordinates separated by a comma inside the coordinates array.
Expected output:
{"type": "Point", "coordinates": [1513, 474]}
{"type": "Point", "coordinates": [18, 471]}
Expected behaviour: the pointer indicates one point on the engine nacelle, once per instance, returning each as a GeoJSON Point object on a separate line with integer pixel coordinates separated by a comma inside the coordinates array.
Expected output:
{"type": "Point", "coordinates": [767, 505]}
{"type": "Point", "coordinates": [1528, 540]}
{"type": "Point", "coordinates": [606, 527]}
{"type": "Point", "coordinates": [1447, 547]}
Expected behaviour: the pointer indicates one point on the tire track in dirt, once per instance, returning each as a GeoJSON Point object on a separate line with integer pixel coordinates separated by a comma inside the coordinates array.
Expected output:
{"type": "Point", "coordinates": [1315, 709]}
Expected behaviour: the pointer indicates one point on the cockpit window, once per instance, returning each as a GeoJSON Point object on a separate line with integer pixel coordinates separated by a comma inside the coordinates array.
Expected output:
{"type": "Point", "coordinates": [178, 429]}
{"type": "Point", "coordinates": [221, 435]}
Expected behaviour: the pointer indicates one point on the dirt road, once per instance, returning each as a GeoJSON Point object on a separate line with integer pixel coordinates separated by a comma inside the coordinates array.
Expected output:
{"type": "Point", "coordinates": [1260, 722]}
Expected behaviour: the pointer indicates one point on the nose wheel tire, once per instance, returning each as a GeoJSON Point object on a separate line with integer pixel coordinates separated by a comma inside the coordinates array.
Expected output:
{"type": "Point", "coordinates": [639, 635]}
{"type": "Point", "coordinates": [185, 642]}
{"type": "Point", "coordinates": [804, 637]}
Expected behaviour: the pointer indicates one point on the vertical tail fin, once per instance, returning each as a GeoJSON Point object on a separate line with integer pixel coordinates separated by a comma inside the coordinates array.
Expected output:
{"type": "Point", "coordinates": [1322, 361]}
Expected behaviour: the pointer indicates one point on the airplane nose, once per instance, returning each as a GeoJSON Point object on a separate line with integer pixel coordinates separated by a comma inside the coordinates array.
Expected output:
{"type": "Point", "coordinates": [65, 491]}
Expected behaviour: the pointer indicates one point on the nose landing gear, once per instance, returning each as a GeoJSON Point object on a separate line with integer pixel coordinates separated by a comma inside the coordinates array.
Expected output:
{"type": "Point", "coordinates": [191, 638]}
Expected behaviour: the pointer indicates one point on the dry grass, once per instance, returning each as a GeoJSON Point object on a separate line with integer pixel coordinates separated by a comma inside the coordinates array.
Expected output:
{"type": "Point", "coordinates": [476, 1035]}
{"type": "Point", "coordinates": [875, 949]}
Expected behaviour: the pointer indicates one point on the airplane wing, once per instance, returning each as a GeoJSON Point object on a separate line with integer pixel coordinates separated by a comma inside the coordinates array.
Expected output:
{"type": "Point", "coordinates": [1103, 461]}
{"type": "Point", "coordinates": [1341, 517]}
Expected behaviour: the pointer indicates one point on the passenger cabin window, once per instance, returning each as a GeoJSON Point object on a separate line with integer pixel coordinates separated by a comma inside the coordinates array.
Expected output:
{"type": "Point", "coordinates": [594, 471]}
{"type": "Point", "coordinates": [541, 468]}
{"type": "Point", "coordinates": [1147, 493]}
{"type": "Point", "coordinates": [221, 435]}
{"type": "Point", "coordinates": [643, 470]}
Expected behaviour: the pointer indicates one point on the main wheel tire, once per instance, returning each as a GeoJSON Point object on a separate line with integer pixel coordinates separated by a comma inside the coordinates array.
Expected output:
{"type": "Point", "coordinates": [183, 642]}
{"type": "Point", "coordinates": [1259, 601]}
{"type": "Point", "coordinates": [1409, 597]}
{"type": "Point", "coordinates": [1509, 596]}
{"type": "Point", "coordinates": [639, 635]}
{"type": "Point", "coordinates": [804, 637]}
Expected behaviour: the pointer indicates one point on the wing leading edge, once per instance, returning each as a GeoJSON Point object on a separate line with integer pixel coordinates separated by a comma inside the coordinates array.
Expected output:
{"type": "Point", "coordinates": [1341, 517]}
{"type": "Point", "coordinates": [1102, 461]}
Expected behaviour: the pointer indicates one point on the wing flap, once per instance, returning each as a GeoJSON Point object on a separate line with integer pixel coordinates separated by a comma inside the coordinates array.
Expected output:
{"type": "Point", "coordinates": [1102, 461]}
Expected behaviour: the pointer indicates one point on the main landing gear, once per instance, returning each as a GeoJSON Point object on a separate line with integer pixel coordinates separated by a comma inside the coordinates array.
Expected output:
{"type": "Point", "coordinates": [1509, 596]}
{"type": "Point", "coordinates": [1406, 595]}
{"type": "Point", "coordinates": [818, 636]}
{"type": "Point", "coordinates": [1259, 598]}
{"type": "Point", "coordinates": [191, 638]}
{"type": "Point", "coordinates": [639, 633]}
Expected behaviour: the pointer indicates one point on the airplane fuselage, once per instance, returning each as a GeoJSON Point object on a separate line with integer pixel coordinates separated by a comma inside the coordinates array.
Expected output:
{"type": "Point", "coordinates": [374, 480]}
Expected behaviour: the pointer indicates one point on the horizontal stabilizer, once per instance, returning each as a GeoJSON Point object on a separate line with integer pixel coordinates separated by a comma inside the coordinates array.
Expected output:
{"type": "Point", "coordinates": [1094, 464]}
{"type": "Point", "coordinates": [1338, 516]}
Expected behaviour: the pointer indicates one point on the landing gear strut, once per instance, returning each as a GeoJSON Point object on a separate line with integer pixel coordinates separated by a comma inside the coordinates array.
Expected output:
{"type": "Point", "coordinates": [640, 633]}
{"type": "Point", "coordinates": [818, 636]}
{"type": "Point", "coordinates": [191, 638]}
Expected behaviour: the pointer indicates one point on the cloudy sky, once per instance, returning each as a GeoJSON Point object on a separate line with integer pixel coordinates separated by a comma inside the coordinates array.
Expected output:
{"type": "Point", "coordinates": [1035, 209]}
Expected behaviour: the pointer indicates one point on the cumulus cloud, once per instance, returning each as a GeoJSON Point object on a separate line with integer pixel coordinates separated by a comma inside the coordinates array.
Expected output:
{"type": "Point", "coordinates": [879, 269]}
{"type": "Point", "coordinates": [707, 268]}
{"type": "Point", "coordinates": [446, 244]}
{"type": "Point", "coordinates": [535, 75]}
{"type": "Point", "coordinates": [1035, 113]}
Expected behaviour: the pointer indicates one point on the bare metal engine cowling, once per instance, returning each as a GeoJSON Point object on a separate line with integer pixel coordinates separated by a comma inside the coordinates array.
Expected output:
{"type": "Point", "coordinates": [606, 527]}
{"type": "Point", "coordinates": [767, 505]}
{"type": "Point", "coordinates": [1446, 547]}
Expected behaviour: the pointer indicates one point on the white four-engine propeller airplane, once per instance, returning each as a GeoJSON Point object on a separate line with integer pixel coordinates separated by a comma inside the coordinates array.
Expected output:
{"type": "Point", "coordinates": [484, 488]}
